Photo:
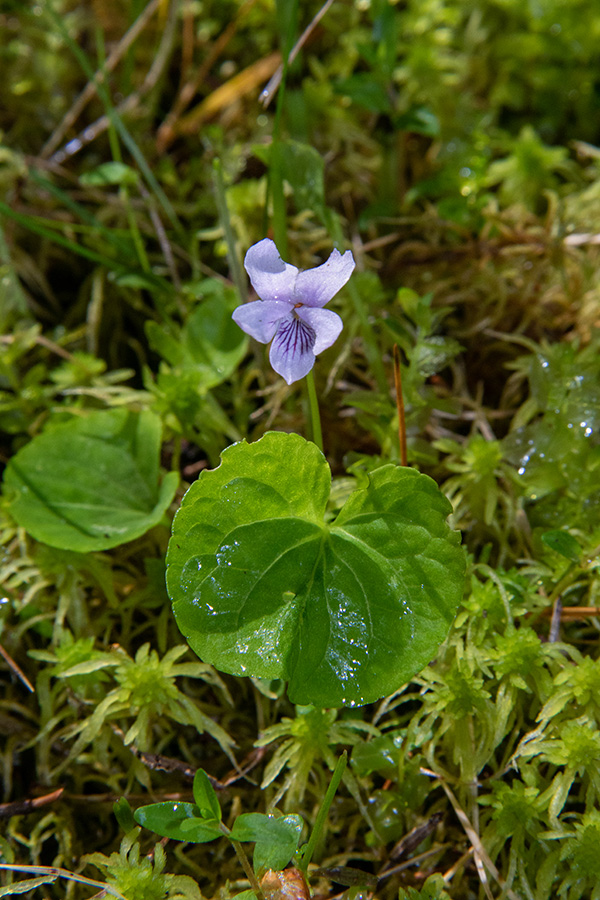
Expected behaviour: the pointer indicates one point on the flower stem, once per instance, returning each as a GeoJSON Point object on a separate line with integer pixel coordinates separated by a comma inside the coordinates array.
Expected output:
{"type": "Point", "coordinates": [315, 418]}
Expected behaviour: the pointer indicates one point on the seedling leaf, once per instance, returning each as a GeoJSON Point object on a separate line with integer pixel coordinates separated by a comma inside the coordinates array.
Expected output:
{"type": "Point", "coordinates": [205, 796]}
{"type": "Point", "coordinates": [180, 821]}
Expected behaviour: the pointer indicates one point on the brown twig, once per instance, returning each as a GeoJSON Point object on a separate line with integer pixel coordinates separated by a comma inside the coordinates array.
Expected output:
{"type": "Point", "coordinates": [414, 837]}
{"type": "Point", "coordinates": [23, 807]}
{"type": "Point", "coordinates": [168, 131]}
{"type": "Point", "coordinates": [572, 612]}
{"type": "Point", "coordinates": [271, 89]}
{"type": "Point", "coordinates": [242, 83]}
{"type": "Point", "coordinates": [91, 132]}
{"type": "Point", "coordinates": [161, 235]}
{"type": "Point", "coordinates": [16, 669]}
{"type": "Point", "coordinates": [91, 87]}
{"type": "Point", "coordinates": [158, 762]}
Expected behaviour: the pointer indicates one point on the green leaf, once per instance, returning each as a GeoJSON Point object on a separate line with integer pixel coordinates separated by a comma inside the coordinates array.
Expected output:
{"type": "Point", "coordinates": [419, 119]}
{"type": "Point", "coordinates": [14, 306]}
{"type": "Point", "coordinates": [145, 281]}
{"type": "Point", "coordinates": [350, 877]}
{"type": "Point", "coordinates": [205, 796]}
{"type": "Point", "coordinates": [365, 91]}
{"type": "Point", "coordinates": [91, 483]}
{"type": "Point", "coordinates": [109, 173]}
{"type": "Point", "coordinates": [210, 343]}
{"type": "Point", "coordinates": [346, 611]}
{"type": "Point", "coordinates": [124, 814]}
{"type": "Point", "coordinates": [433, 889]}
{"type": "Point", "coordinates": [180, 821]}
{"type": "Point", "coordinates": [564, 543]}
{"type": "Point", "coordinates": [303, 168]}
{"type": "Point", "coordinates": [381, 755]}
{"type": "Point", "coordinates": [276, 838]}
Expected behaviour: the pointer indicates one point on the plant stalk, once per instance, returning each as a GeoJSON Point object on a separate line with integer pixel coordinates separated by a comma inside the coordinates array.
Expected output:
{"type": "Point", "coordinates": [315, 418]}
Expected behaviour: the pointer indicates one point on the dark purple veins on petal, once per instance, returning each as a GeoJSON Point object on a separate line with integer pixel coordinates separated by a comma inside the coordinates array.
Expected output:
{"type": "Point", "coordinates": [295, 337]}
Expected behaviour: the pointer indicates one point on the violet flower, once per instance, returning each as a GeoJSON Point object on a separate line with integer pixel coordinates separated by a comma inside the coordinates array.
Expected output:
{"type": "Point", "coordinates": [290, 311]}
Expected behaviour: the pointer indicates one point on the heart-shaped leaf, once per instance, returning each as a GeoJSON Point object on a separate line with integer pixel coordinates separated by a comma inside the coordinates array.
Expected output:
{"type": "Point", "coordinates": [91, 483]}
{"type": "Point", "coordinates": [346, 611]}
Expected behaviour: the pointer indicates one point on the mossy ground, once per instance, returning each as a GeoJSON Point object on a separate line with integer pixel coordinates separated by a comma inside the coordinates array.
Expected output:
{"type": "Point", "coordinates": [454, 148]}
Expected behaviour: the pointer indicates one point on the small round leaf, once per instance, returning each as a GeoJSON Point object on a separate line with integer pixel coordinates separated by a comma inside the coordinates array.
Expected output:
{"type": "Point", "coordinates": [92, 482]}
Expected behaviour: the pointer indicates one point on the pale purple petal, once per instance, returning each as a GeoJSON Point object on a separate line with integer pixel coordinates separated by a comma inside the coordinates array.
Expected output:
{"type": "Point", "coordinates": [316, 287]}
{"type": "Point", "coordinates": [271, 277]}
{"type": "Point", "coordinates": [260, 319]}
{"type": "Point", "coordinates": [325, 324]}
{"type": "Point", "coordinates": [291, 352]}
